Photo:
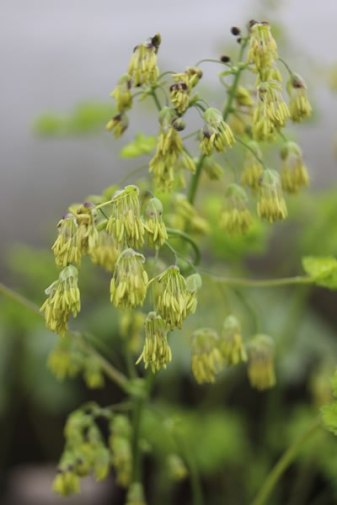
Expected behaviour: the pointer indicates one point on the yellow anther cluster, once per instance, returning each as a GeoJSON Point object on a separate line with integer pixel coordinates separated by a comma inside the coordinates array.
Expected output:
{"type": "Point", "coordinates": [129, 281]}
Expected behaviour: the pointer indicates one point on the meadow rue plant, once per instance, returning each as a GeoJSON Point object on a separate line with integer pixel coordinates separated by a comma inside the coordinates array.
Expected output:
{"type": "Point", "coordinates": [152, 237]}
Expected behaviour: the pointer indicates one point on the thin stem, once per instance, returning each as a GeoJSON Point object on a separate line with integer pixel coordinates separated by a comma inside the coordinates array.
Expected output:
{"type": "Point", "coordinates": [212, 60]}
{"type": "Point", "coordinates": [287, 457]}
{"type": "Point", "coordinates": [291, 73]}
{"type": "Point", "coordinates": [262, 283]}
{"type": "Point", "coordinates": [184, 236]}
{"type": "Point", "coordinates": [195, 180]}
{"type": "Point", "coordinates": [247, 146]}
{"type": "Point", "coordinates": [155, 98]}
{"type": "Point", "coordinates": [233, 88]}
{"type": "Point", "coordinates": [109, 369]}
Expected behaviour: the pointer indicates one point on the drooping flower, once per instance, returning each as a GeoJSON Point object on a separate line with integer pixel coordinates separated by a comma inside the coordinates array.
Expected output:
{"type": "Point", "coordinates": [104, 251]}
{"type": "Point", "coordinates": [154, 225]}
{"type": "Point", "coordinates": [87, 231]}
{"type": "Point", "coordinates": [129, 281]}
{"type": "Point", "coordinates": [120, 445]}
{"type": "Point", "coordinates": [63, 300]}
{"type": "Point", "coordinates": [262, 46]}
{"type": "Point", "coordinates": [231, 343]}
{"type": "Point", "coordinates": [261, 372]}
{"type": "Point", "coordinates": [216, 133]}
{"type": "Point", "coordinates": [171, 297]}
{"type": "Point", "coordinates": [67, 247]}
{"type": "Point", "coordinates": [299, 105]}
{"type": "Point", "coordinates": [122, 93]}
{"type": "Point", "coordinates": [252, 167]}
{"type": "Point", "coordinates": [294, 173]}
{"type": "Point", "coordinates": [125, 223]}
{"type": "Point", "coordinates": [271, 204]}
{"type": "Point", "coordinates": [206, 357]}
{"type": "Point", "coordinates": [170, 156]}
{"type": "Point", "coordinates": [180, 91]}
{"type": "Point", "coordinates": [143, 67]}
{"type": "Point", "coordinates": [271, 112]}
{"type": "Point", "coordinates": [156, 353]}
{"type": "Point", "coordinates": [118, 124]}
{"type": "Point", "coordinates": [186, 215]}
{"type": "Point", "coordinates": [236, 217]}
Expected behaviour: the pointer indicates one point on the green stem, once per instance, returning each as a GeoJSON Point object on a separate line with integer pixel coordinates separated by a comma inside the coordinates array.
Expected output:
{"type": "Point", "coordinates": [184, 236]}
{"type": "Point", "coordinates": [136, 455]}
{"type": "Point", "coordinates": [262, 283]}
{"type": "Point", "coordinates": [195, 180]}
{"type": "Point", "coordinates": [233, 88]}
{"type": "Point", "coordinates": [283, 463]}
{"type": "Point", "coordinates": [155, 98]}
{"type": "Point", "coordinates": [247, 146]}
{"type": "Point", "coordinates": [109, 369]}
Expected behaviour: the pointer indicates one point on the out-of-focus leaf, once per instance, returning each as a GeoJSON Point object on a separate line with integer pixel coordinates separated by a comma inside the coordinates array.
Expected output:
{"type": "Point", "coordinates": [140, 145]}
{"type": "Point", "coordinates": [323, 270]}
{"type": "Point", "coordinates": [88, 117]}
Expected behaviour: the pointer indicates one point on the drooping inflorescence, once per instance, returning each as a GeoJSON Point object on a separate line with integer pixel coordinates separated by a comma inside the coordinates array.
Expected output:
{"type": "Point", "coordinates": [145, 236]}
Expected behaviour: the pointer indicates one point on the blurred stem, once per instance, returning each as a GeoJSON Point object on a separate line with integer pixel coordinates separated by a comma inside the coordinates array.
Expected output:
{"type": "Point", "coordinates": [234, 86]}
{"type": "Point", "coordinates": [283, 463]}
{"type": "Point", "coordinates": [155, 98]}
{"type": "Point", "coordinates": [263, 283]}
{"type": "Point", "coordinates": [195, 180]}
{"type": "Point", "coordinates": [109, 369]}
{"type": "Point", "coordinates": [192, 191]}
{"type": "Point", "coordinates": [184, 236]}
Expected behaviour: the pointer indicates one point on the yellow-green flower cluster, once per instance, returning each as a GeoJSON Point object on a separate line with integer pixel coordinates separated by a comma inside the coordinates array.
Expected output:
{"type": "Point", "coordinates": [261, 372]}
{"type": "Point", "coordinates": [216, 133]}
{"type": "Point", "coordinates": [135, 495]}
{"type": "Point", "coordinates": [187, 216]}
{"type": "Point", "coordinates": [85, 452]}
{"type": "Point", "coordinates": [262, 46]}
{"type": "Point", "coordinates": [214, 171]}
{"type": "Point", "coordinates": [271, 204]}
{"type": "Point", "coordinates": [131, 323]}
{"type": "Point", "coordinates": [143, 69]}
{"type": "Point", "coordinates": [104, 251]}
{"type": "Point", "coordinates": [156, 353]}
{"type": "Point", "coordinates": [236, 218]}
{"type": "Point", "coordinates": [120, 446]}
{"type": "Point", "coordinates": [67, 247]}
{"type": "Point", "coordinates": [122, 93]}
{"type": "Point", "coordinates": [271, 112]}
{"type": "Point", "coordinates": [65, 359]}
{"type": "Point", "coordinates": [125, 223]}
{"type": "Point", "coordinates": [176, 467]}
{"type": "Point", "coordinates": [231, 343]}
{"type": "Point", "coordinates": [173, 301]}
{"type": "Point", "coordinates": [206, 357]}
{"type": "Point", "coordinates": [170, 156]}
{"type": "Point", "coordinates": [118, 124]}
{"type": "Point", "coordinates": [129, 281]}
{"type": "Point", "coordinates": [252, 167]}
{"type": "Point", "coordinates": [93, 374]}
{"type": "Point", "coordinates": [299, 105]}
{"type": "Point", "coordinates": [294, 173]}
{"type": "Point", "coordinates": [63, 300]}
{"type": "Point", "coordinates": [87, 231]}
{"type": "Point", "coordinates": [180, 91]}
{"type": "Point", "coordinates": [155, 228]}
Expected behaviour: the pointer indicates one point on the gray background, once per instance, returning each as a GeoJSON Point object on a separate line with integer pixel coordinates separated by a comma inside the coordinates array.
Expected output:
{"type": "Point", "coordinates": [56, 53]}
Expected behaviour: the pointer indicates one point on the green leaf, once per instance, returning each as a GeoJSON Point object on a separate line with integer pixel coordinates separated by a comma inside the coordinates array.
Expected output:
{"type": "Point", "coordinates": [323, 270]}
{"type": "Point", "coordinates": [141, 144]}
{"type": "Point", "coordinates": [329, 416]}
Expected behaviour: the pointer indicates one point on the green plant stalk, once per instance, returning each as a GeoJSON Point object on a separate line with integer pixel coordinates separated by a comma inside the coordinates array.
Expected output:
{"type": "Point", "coordinates": [192, 191]}
{"type": "Point", "coordinates": [263, 283]}
{"type": "Point", "coordinates": [109, 369]}
{"type": "Point", "coordinates": [184, 236]}
{"type": "Point", "coordinates": [283, 463]}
